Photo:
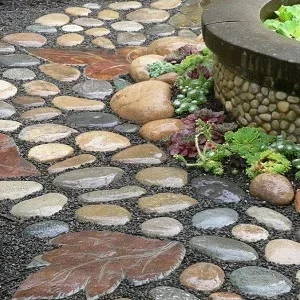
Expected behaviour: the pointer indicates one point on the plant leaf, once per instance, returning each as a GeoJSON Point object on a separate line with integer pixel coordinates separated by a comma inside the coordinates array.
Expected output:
{"type": "Point", "coordinates": [97, 261]}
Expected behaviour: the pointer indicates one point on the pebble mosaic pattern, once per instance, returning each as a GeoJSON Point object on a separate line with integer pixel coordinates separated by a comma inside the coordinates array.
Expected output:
{"type": "Point", "coordinates": [81, 165]}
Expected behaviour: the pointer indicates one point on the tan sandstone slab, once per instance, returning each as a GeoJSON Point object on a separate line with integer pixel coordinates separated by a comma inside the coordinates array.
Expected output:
{"type": "Point", "coordinates": [96, 32]}
{"type": "Point", "coordinates": [18, 189]}
{"type": "Point", "coordinates": [148, 15]}
{"type": "Point", "coordinates": [7, 90]}
{"type": "Point", "coordinates": [101, 141]}
{"type": "Point", "coordinates": [78, 11]}
{"type": "Point", "coordinates": [108, 14]}
{"type": "Point", "coordinates": [41, 88]}
{"type": "Point", "coordinates": [160, 130]}
{"type": "Point", "coordinates": [69, 39]}
{"type": "Point", "coordinates": [141, 154]}
{"type": "Point", "coordinates": [72, 163]}
{"type": "Point", "coordinates": [60, 72]}
{"type": "Point", "coordinates": [144, 102]}
{"type": "Point", "coordinates": [40, 114]}
{"type": "Point", "coordinates": [224, 296]}
{"type": "Point", "coordinates": [103, 43]}
{"type": "Point", "coordinates": [169, 78]}
{"type": "Point", "coordinates": [50, 152]}
{"type": "Point", "coordinates": [9, 126]}
{"type": "Point", "coordinates": [165, 202]}
{"type": "Point", "coordinates": [103, 214]}
{"type": "Point", "coordinates": [25, 39]}
{"type": "Point", "coordinates": [78, 104]}
{"type": "Point", "coordinates": [55, 19]}
{"type": "Point", "coordinates": [125, 5]}
{"type": "Point", "coordinates": [72, 28]}
{"type": "Point", "coordinates": [249, 233]}
{"type": "Point", "coordinates": [28, 101]}
{"type": "Point", "coordinates": [165, 4]}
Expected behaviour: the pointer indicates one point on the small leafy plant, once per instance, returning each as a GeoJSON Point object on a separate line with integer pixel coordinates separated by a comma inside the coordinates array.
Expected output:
{"type": "Point", "coordinates": [159, 68]}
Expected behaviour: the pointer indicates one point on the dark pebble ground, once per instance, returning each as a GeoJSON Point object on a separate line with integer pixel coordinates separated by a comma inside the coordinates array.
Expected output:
{"type": "Point", "coordinates": [17, 250]}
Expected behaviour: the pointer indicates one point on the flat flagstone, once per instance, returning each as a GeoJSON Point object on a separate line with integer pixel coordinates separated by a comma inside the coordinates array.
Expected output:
{"type": "Point", "coordinates": [46, 229]}
{"type": "Point", "coordinates": [222, 248]}
{"type": "Point", "coordinates": [163, 176]}
{"type": "Point", "coordinates": [126, 192]}
{"type": "Point", "coordinates": [93, 89]}
{"type": "Point", "coordinates": [224, 296]}
{"type": "Point", "coordinates": [41, 29]}
{"type": "Point", "coordinates": [46, 153]}
{"type": "Point", "coordinates": [95, 120]}
{"type": "Point", "coordinates": [187, 33]}
{"type": "Point", "coordinates": [88, 178]}
{"type": "Point", "coordinates": [72, 163]}
{"type": "Point", "coordinates": [215, 218]}
{"type": "Point", "coordinates": [126, 5]}
{"type": "Point", "coordinates": [6, 48]}
{"type": "Point", "coordinates": [96, 32]}
{"type": "Point", "coordinates": [72, 28]}
{"type": "Point", "coordinates": [13, 190]}
{"type": "Point", "coordinates": [25, 39]}
{"type": "Point", "coordinates": [12, 164]}
{"type": "Point", "coordinates": [170, 293]}
{"type": "Point", "coordinates": [101, 141]}
{"type": "Point", "coordinates": [6, 110]}
{"type": "Point", "coordinates": [7, 90]}
{"type": "Point", "coordinates": [45, 133]}
{"type": "Point", "coordinates": [78, 11]}
{"type": "Point", "coordinates": [261, 282]}
{"type": "Point", "coordinates": [28, 101]}
{"type": "Point", "coordinates": [40, 114]}
{"type": "Point", "coordinates": [92, 5]}
{"type": "Point", "coordinates": [249, 233]}
{"type": "Point", "coordinates": [108, 14]}
{"type": "Point", "coordinates": [165, 202]}
{"type": "Point", "coordinates": [18, 60]}
{"type": "Point", "coordinates": [165, 4]}
{"type": "Point", "coordinates": [55, 19]}
{"type": "Point", "coordinates": [103, 42]}
{"type": "Point", "coordinates": [9, 126]}
{"type": "Point", "coordinates": [180, 20]}
{"type": "Point", "coordinates": [88, 22]}
{"type": "Point", "coordinates": [161, 227]}
{"type": "Point", "coordinates": [42, 206]}
{"type": "Point", "coordinates": [270, 218]}
{"type": "Point", "coordinates": [70, 39]}
{"type": "Point", "coordinates": [141, 154]}
{"type": "Point", "coordinates": [103, 214]}
{"type": "Point", "coordinates": [41, 88]}
{"type": "Point", "coordinates": [202, 277]}
{"type": "Point", "coordinates": [131, 38]}
{"type": "Point", "coordinates": [60, 72]}
{"type": "Point", "coordinates": [127, 128]}
{"type": "Point", "coordinates": [69, 103]}
{"type": "Point", "coordinates": [161, 30]}
{"type": "Point", "coordinates": [148, 15]}
{"type": "Point", "coordinates": [127, 26]}
{"type": "Point", "coordinates": [19, 74]}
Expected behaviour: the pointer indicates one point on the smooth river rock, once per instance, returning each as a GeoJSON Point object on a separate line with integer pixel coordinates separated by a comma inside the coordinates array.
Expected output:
{"type": "Point", "coordinates": [46, 229]}
{"type": "Point", "coordinates": [69, 103]}
{"type": "Point", "coordinates": [18, 189]}
{"type": "Point", "coordinates": [93, 89]}
{"type": "Point", "coordinates": [170, 293]}
{"type": "Point", "coordinates": [249, 233]}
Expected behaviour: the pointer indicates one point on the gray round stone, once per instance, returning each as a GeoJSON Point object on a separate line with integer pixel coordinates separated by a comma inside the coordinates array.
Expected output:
{"type": "Point", "coordinates": [93, 120]}
{"type": "Point", "coordinates": [162, 30]}
{"type": "Point", "coordinates": [46, 229]}
{"type": "Point", "coordinates": [6, 110]}
{"type": "Point", "coordinates": [19, 74]}
{"type": "Point", "coordinates": [127, 26]}
{"type": "Point", "coordinates": [41, 28]}
{"type": "Point", "coordinates": [88, 22]}
{"type": "Point", "coordinates": [215, 218]}
{"type": "Point", "coordinates": [120, 84]}
{"type": "Point", "coordinates": [18, 60]}
{"type": "Point", "coordinates": [93, 89]}
{"type": "Point", "coordinates": [170, 293]}
{"type": "Point", "coordinates": [6, 48]}
{"type": "Point", "coordinates": [127, 128]}
{"type": "Point", "coordinates": [130, 38]}
{"type": "Point", "coordinates": [260, 282]}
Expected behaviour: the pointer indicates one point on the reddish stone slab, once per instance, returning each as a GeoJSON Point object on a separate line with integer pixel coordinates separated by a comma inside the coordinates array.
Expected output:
{"type": "Point", "coordinates": [97, 261]}
{"type": "Point", "coordinates": [12, 165]}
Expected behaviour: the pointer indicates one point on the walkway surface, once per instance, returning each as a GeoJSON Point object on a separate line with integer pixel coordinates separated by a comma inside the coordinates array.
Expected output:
{"type": "Point", "coordinates": [91, 204]}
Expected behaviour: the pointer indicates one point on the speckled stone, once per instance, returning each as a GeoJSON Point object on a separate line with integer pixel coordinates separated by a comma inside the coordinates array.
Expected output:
{"type": "Point", "coordinates": [92, 5]}
{"type": "Point", "coordinates": [270, 218]}
{"type": "Point", "coordinates": [170, 293]}
{"type": "Point", "coordinates": [161, 30]}
{"type": "Point", "coordinates": [7, 90]}
{"type": "Point", "coordinates": [42, 206]}
{"type": "Point", "coordinates": [72, 163]}
{"type": "Point", "coordinates": [29, 101]}
{"type": "Point", "coordinates": [6, 48]}
{"type": "Point", "coordinates": [161, 227]}
{"type": "Point", "coordinates": [101, 141]}
{"type": "Point", "coordinates": [97, 31]}
{"type": "Point", "coordinates": [261, 282]}
{"type": "Point", "coordinates": [60, 72]}
{"type": "Point", "coordinates": [19, 74]}
{"type": "Point", "coordinates": [40, 114]}
{"type": "Point", "coordinates": [46, 229]}
{"type": "Point", "coordinates": [148, 15]}
{"type": "Point", "coordinates": [103, 214]}
{"type": "Point", "coordinates": [126, 5]}
{"type": "Point", "coordinates": [45, 133]}
{"type": "Point", "coordinates": [202, 277]}
{"type": "Point", "coordinates": [215, 218]}
{"type": "Point", "coordinates": [70, 40]}
{"type": "Point", "coordinates": [224, 296]}
{"type": "Point", "coordinates": [41, 29]}
{"type": "Point", "coordinates": [163, 176]}
{"type": "Point", "coordinates": [126, 192]}
{"type": "Point", "coordinates": [127, 128]}
{"type": "Point", "coordinates": [41, 88]}
{"type": "Point", "coordinates": [108, 14]}
{"type": "Point", "coordinates": [18, 60]}
{"type": "Point", "coordinates": [128, 26]}
{"type": "Point", "coordinates": [165, 4]}
{"type": "Point", "coordinates": [222, 248]}
{"type": "Point", "coordinates": [88, 178]}
{"type": "Point", "coordinates": [88, 22]}
{"type": "Point", "coordinates": [93, 89]}
{"type": "Point", "coordinates": [249, 233]}
{"type": "Point", "coordinates": [50, 152]}
{"type": "Point", "coordinates": [103, 42]}
{"type": "Point", "coordinates": [9, 126]}
{"type": "Point", "coordinates": [18, 189]}
{"type": "Point", "coordinates": [72, 28]}
{"type": "Point", "coordinates": [141, 154]}
{"type": "Point", "coordinates": [78, 11]}
{"type": "Point", "coordinates": [165, 202]}
{"type": "Point", "coordinates": [130, 38]}
{"type": "Point", "coordinates": [6, 110]}
{"type": "Point", "coordinates": [25, 39]}
{"type": "Point", "coordinates": [55, 19]}
{"type": "Point", "coordinates": [69, 103]}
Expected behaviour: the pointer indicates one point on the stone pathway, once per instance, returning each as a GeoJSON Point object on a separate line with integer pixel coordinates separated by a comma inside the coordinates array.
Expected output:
{"type": "Point", "coordinates": [82, 161]}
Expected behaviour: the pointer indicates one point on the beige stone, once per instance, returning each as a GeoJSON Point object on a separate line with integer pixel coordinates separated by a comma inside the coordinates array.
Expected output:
{"type": "Point", "coordinates": [148, 15]}
{"type": "Point", "coordinates": [25, 39]}
{"type": "Point", "coordinates": [60, 72]}
{"type": "Point", "coordinates": [40, 114]}
{"type": "Point", "coordinates": [108, 14]}
{"type": "Point", "coordinates": [101, 141]}
{"type": "Point", "coordinates": [165, 4]}
{"type": "Point", "coordinates": [144, 102]}
{"type": "Point", "coordinates": [297, 201]}
{"type": "Point", "coordinates": [160, 130]}
{"type": "Point", "coordinates": [97, 31]}
{"type": "Point", "coordinates": [9, 126]}
{"type": "Point", "coordinates": [169, 78]}
{"type": "Point", "coordinates": [7, 90]}
{"type": "Point", "coordinates": [77, 104]}
{"type": "Point", "coordinates": [55, 19]}
{"type": "Point", "coordinates": [41, 88]}
{"type": "Point", "coordinates": [69, 39]}
{"type": "Point", "coordinates": [125, 5]}
{"type": "Point", "coordinates": [103, 43]}
{"type": "Point", "coordinates": [224, 296]}
{"type": "Point", "coordinates": [249, 233]}
{"type": "Point", "coordinates": [78, 11]}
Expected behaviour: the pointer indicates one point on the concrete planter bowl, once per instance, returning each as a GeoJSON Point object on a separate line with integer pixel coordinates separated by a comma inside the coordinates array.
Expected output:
{"type": "Point", "coordinates": [257, 71]}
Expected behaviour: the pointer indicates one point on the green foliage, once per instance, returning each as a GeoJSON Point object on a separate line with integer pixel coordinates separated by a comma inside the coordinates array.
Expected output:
{"type": "Point", "coordinates": [269, 161]}
{"type": "Point", "coordinates": [286, 147]}
{"type": "Point", "coordinates": [159, 68]}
